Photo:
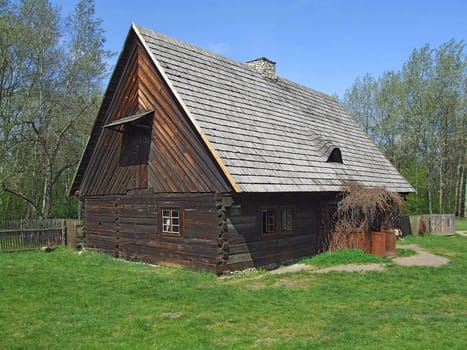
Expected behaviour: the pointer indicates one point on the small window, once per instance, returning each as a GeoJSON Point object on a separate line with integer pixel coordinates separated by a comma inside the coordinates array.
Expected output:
{"type": "Point", "coordinates": [286, 219]}
{"type": "Point", "coordinates": [136, 143]}
{"type": "Point", "coordinates": [335, 156]}
{"type": "Point", "coordinates": [268, 221]}
{"type": "Point", "coordinates": [171, 221]}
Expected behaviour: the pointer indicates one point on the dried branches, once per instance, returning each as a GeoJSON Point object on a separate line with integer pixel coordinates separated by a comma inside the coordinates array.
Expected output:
{"type": "Point", "coordinates": [363, 210]}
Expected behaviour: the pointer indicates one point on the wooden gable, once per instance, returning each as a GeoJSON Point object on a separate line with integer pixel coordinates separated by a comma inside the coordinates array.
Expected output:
{"type": "Point", "coordinates": [175, 158]}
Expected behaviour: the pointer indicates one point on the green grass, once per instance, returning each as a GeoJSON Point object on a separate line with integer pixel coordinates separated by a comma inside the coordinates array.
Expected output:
{"type": "Point", "coordinates": [62, 300]}
{"type": "Point", "coordinates": [461, 224]}
{"type": "Point", "coordinates": [404, 252]}
{"type": "Point", "coordinates": [346, 256]}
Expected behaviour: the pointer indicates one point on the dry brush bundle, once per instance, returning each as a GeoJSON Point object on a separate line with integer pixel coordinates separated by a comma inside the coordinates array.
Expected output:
{"type": "Point", "coordinates": [363, 210]}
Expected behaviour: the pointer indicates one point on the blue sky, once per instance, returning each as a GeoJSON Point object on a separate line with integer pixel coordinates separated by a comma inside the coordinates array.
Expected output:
{"type": "Point", "coordinates": [323, 44]}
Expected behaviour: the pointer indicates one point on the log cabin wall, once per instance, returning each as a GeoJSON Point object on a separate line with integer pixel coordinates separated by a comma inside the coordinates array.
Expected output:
{"type": "Point", "coordinates": [130, 227]}
{"type": "Point", "coordinates": [249, 246]}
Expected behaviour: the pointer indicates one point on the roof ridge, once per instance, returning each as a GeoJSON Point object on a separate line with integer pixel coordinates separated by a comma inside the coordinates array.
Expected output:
{"type": "Point", "coordinates": [182, 43]}
{"type": "Point", "coordinates": [221, 57]}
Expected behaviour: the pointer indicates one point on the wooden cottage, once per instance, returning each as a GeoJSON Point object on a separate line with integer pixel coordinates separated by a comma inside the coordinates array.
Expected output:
{"type": "Point", "coordinates": [204, 162]}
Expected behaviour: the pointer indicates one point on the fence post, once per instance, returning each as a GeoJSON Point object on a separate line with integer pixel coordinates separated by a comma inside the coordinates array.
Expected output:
{"type": "Point", "coordinates": [63, 232]}
{"type": "Point", "coordinates": [72, 240]}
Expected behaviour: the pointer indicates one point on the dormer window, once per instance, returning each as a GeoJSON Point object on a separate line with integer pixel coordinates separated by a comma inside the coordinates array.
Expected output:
{"type": "Point", "coordinates": [325, 148]}
{"type": "Point", "coordinates": [335, 156]}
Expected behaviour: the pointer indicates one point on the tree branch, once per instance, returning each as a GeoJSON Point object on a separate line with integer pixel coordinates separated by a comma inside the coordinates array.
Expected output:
{"type": "Point", "coordinates": [59, 173]}
{"type": "Point", "coordinates": [19, 195]}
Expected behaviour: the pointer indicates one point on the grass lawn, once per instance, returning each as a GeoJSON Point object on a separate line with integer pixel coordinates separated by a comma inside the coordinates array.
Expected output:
{"type": "Point", "coordinates": [62, 300]}
{"type": "Point", "coordinates": [461, 224]}
{"type": "Point", "coordinates": [346, 256]}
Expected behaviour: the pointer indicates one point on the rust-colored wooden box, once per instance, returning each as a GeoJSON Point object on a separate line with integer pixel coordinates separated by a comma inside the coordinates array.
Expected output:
{"type": "Point", "coordinates": [390, 245]}
{"type": "Point", "coordinates": [378, 243]}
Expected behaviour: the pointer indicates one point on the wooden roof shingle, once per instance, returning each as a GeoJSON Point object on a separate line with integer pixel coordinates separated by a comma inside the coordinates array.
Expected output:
{"type": "Point", "coordinates": [272, 135]}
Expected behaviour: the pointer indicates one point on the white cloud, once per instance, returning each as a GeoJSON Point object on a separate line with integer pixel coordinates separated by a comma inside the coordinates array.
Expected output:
{"type": "Point", "coordinates": [220, 48]}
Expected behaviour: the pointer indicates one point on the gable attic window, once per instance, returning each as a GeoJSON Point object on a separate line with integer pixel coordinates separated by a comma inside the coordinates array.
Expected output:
{"type": "Point", "coordinates": [335, 156]}
{"type": "Point", "coordinates": [136, 137]}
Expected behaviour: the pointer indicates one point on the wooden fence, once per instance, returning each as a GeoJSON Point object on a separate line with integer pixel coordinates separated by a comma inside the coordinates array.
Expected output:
{"type": "Point", "coordinates": [31, 234]}
{"type": "Point", "coordinates": [440, 224]}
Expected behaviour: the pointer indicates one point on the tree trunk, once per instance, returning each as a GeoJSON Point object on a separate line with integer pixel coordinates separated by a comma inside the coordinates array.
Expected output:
{"type": "Point", "coordinates": [48, 192]}
{"type": "Point", "coordinates": [459, 190]}
{"type": "Point", "coordinates": [44, 200]}
{"type": "Point", "coordinates": [430, 205]}
{"type": "Point", "coordinates": [441, 209]}
{"type": "Point", "coordinates": [47, 199]}
{"type": "Point", "coordinates": [465, 194]}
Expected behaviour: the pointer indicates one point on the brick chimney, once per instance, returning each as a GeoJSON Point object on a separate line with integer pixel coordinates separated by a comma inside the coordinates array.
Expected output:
{"type": "Point", "coordinates": [266, 67]}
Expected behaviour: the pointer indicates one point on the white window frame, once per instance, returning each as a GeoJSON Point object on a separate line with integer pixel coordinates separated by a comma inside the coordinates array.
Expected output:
{"type": "Point", "coordinates": [171, 221]}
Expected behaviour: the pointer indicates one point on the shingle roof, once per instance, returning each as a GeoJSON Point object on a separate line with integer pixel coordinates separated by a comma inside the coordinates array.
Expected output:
{"type": "Point", "coordinates": [271, 135]}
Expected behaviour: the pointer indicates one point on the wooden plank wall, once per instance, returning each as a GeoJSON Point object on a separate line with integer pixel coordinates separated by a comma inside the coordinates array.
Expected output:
{"type": "Point", "coordinates": [248, 247]}
{"type": "Point", "coordinates": [215, 237]}
{"type": "Point", "coordinates": [129, 227]}
{"type": "Point", "coordinates": [179, 161]}
{"type": "Point", "coordinates": [104, 175]}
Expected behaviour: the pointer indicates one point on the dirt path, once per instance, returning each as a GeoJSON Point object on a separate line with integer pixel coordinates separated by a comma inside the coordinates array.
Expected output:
{"type": "Point", "coordinates": [353, 268]}
{"type": "Point", "coordinates": [422, 258]}
{"type": "Point", "coordinates": [290, 268]}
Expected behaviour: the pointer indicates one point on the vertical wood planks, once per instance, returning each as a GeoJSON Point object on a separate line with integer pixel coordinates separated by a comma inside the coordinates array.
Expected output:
{"type": "Point", "coordinates": [25, 235]}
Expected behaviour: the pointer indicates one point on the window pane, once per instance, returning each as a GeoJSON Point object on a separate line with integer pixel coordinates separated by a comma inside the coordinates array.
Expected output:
{"type": "Point", "coordinates": [264, 223]}
{"type": "Point", "coordinates": [171, 221]}
{"type": "Point", "coordinates": [166, 224]}
{"type": "Point", "coordinates": [283, 221]}
{"type": "Point", "coordinates": [268, 220]}
{"type": "Point", "coordinates": [287, 219]}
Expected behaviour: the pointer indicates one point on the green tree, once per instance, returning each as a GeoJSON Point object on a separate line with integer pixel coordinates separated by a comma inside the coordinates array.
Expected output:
{"type": "Point", "coordinates": [418, 118]}
{"type": "Point", "coordinates": [360, 101]}
{"type": "Point", "coordinates": [54, 69]}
